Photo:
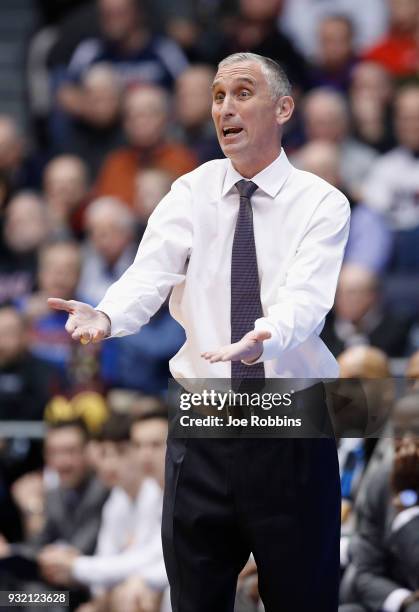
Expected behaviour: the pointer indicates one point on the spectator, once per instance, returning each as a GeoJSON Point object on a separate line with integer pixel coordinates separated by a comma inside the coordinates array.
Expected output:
{"type": "Point", "coordinates": [25, 229]}
{"type": "Point", "coordinates": [193, 112]}
{"type": "Point", "coordinates": [127, 44]}
{"type": "Point", "coordinates": [336, 56]}
{"type": "Point", "coordinates": [385, 552]}
{"type": "Point", "coordinates": [392, 185]}
{"type": "Point", "coordinates": [65, 183]}
{"type": "Point", "coordinates": [59, 273]}
{"type": "Point", "coordinates": [110, 248]}
{"type": "Point", "coordinates": [146, 116]}
{"type": "Point", "coordinates": [398, 51]}
{"type": "Point", "coordinates": [412, 369]}
{"type": "Point", "coordinates": [97, 131]}
{"type": "Point", "coordinates": [300, 19]}
{"type": "Point", "coordinates": [21, 170]}
{"type": "Point", "coordinates": [370, 241]}
{"type": "Point", "coordinates": [145, 589]}
{"type": "Point", "coordinates": [326, 117]}
{"type": "Point", "coordinates": [25, 381]}
{"type": "Point", "coordinates": [371, 94]}
{"type": "Point", "coordinates": [129, 538]}
{"type": "Point", "coordinates": [254, 29]}
{"type": "Point", "coordinates": [359, 317]}
{"type": "Point", "coordinates": [72, 508]}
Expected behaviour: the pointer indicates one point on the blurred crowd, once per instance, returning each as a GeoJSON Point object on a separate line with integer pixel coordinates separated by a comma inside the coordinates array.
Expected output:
{"type": "Point", "coordinates": [119, 106]}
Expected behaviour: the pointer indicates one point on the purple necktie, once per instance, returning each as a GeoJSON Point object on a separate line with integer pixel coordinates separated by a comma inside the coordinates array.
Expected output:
{"type": "Point", "coordinates": [246, 306]}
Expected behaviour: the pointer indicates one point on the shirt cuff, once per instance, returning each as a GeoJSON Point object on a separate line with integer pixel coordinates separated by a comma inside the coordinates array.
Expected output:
{"type": "Point", "coordinates": [272, 346]}
{"type": "Point", "coordinates": [404, 517]}
{"type": "Point", "coordinates": [80, 569]}
{"type": "Point", "coordinates": [116, 319]}
{"type": "Point", "coordinates": [394, 601]}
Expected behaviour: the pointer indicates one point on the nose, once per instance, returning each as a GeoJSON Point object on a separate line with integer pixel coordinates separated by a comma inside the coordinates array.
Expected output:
{"type": "Point", "coordinates": [228, 107]}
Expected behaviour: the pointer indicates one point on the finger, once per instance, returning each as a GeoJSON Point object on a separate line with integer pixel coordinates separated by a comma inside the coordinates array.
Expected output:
{"type": "Point", "coordinates": [98, 335]}
{"type": "Point", "coordinates": [71, 324]}
{"type": "Point", "coordinates": [59, 304]}
{"type": "Point", "coordinates": [81, 332]}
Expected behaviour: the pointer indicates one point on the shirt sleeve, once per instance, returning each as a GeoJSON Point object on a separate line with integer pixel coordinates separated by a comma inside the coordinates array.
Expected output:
{"type": "Point", "coordinates": [160, 264]}
{"type": "Point", "coordinates": [309, 290]}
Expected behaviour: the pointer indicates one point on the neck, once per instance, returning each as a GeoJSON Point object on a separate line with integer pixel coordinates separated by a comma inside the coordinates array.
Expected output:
{"type": "Point", "coordinates": [132, 488]}
{"type": "Point", "coordinates": [249, 168]}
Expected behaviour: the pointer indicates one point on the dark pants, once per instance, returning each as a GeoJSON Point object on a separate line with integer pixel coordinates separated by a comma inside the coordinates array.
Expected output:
{"type": "Point", "coordinates": [277, 498]}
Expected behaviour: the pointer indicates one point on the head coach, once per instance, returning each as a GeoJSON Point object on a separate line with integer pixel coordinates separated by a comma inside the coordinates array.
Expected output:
{"type": "Point", "coordinates": [252, 248]}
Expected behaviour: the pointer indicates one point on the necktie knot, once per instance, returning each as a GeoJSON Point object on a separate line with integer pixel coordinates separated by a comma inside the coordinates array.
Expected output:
{"type": "Point", "coordinates": [246, 188]}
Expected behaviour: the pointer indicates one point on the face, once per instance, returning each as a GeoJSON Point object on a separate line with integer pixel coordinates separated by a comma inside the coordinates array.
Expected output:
{"type": "Point", "coordinates": [260, 11]}
{"type": "Point", "coordinates": [145, 117]}
{"type": "Point", "coordinates": [102, 96]}
{"type": "Point", "coordinates": [193, 97]}
{"type": "Point", "coordinates": [12, 336]}
{"type": "Point", "coordinates": [149, 441]}
{"type": "Point", "coordinates": [370, 80]}
{"type": "Point", "coordinates": [116, 465]}
{"type": "Point", "coordinates": [355, 296]}
{"type": "Point", "coordinates": [246, 118]}
{"type": "Point", "coordinates": [150, 187]}
{"type": "Point", "coordinates": [407, 119]}
{"type": "Point", "coordinates": [335, 39]}
{"type": "Point", "coordinates": [11, 146]}
{"type": "Point", "coordinates": [117, 18]}
{"type": "Point", "coordinates": [324, 119]}
{"type": "Point", "coordinates": [404, 14]}
{"type": "Point", "coordinates": [25, 226]}
{"type": "Point", "coordinates": [65, 182]}
{"type": "Point", "coordinates": [59, 271]}
{"type": "Point", "coordinates": [65, 452]}
{"type": "Point", "coordinates": [108, 236]}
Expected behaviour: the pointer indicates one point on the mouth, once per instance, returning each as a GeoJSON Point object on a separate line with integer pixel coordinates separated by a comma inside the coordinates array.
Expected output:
{"type": "Point", "coordinates": [231, 132]}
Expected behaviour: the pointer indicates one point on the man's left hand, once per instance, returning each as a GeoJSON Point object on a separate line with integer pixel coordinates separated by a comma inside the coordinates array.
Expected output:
{"type": "Point", "coordinates": [248, 349]}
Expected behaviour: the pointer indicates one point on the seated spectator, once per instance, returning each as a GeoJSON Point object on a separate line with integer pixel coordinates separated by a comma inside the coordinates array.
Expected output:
{"type": "Point", "coordinates": [255, 29]}
{"type": "Point", "coordinates": [25, 229]}
{"type": "Point", "coordinates": [72, 508]}
{"type": "Point", "coordinates": [336, 56]}
{"type": "Point", "coordinates": [412, 370]}
{"type": "Point", "coordinates": [65, 184]}
{"type": "Point", "coordinates": [370, 240]}
{"type": "Point", "coordinates": [127, 44]}
{"type": "Point", "coordinates": [59, 273]}
{"type": "Point", "coordinates": [300, 19]}
{"type": "Point", "coordinates": [129, 542]}
{"type": "Point", "coordinates": [384, 552]}
{"type": "Point", "coordinates": [110, 246]}
{"type": "Point", "coordinates": [326, 117]}
{"type": "Point", "coordinates": [97, 131]}
{"type": "Point", "coordinates": [146, 116]}
{"type": "Point", "coordinates": [392, 185]}
{"type": "Point", "coordinates": [194, 126]}
{"type": "Point", "coordinates": [371, 93]}
{"type": "Point", "coordinates": [398, 51]}
{"type": "Point", "coordinates": [145, 588]}
{"type": "Point", "coordinates": [20, 169]}
{"type": "Point", "coordinates": [26, 381]}
{"type": "Point", "coordinates": [359, 317]}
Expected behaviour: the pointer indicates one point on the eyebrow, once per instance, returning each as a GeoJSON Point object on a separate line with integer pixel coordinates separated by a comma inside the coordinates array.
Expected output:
{"type": "Point", "coordinates": [238, 80]}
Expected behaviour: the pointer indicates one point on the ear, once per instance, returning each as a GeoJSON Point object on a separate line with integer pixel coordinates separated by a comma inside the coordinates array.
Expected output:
{"type": "Point", "coordinates": [284, 109]}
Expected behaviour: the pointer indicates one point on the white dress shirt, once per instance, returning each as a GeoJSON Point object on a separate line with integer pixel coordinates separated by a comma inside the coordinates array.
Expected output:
{"type": "Point", "coordinates": [129, 541]}
{"type": "Point", "coordinates": [301, 225]}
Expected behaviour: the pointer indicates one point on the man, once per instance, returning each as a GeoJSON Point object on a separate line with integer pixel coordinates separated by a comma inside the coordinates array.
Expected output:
{"type": "Point", "coordinates": [223, 498]}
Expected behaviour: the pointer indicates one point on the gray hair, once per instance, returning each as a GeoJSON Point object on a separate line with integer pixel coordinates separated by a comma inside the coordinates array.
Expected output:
{"type": "Point", "coordinates": [278, 82]}
{"type": "Point", "coordinates": [110, 206]}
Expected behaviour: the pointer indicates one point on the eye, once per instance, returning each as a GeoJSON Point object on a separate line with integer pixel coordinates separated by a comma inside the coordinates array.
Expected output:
{"type": "Point", "coordinates": [244, 93]}
{"type": "Point", "coordinates": [218, 97]}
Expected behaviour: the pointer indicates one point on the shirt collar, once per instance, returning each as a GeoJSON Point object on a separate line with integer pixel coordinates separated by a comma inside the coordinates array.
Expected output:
{"type": "Point", "coordinates": [270, 179]}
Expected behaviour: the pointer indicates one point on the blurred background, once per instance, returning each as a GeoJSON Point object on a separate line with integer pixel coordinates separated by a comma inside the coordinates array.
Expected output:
{"type": "Point", "coordinates": [103, 103]}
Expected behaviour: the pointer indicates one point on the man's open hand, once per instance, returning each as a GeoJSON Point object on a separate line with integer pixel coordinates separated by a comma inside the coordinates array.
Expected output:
{"type": "Point", "coordinates": [248, 349]}
{"type": "Point", "coordinates": [84, 322]}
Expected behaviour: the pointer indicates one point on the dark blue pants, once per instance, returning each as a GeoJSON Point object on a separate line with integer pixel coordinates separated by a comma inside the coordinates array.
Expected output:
{"type": "Point", "coordinates": [276, 498]}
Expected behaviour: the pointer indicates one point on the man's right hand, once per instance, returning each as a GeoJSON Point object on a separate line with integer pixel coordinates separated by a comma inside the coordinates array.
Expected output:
{"type": "Point", "coordinates": [84, 322]}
